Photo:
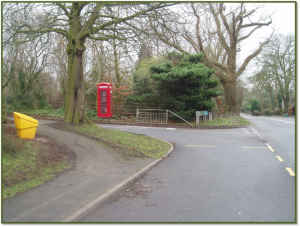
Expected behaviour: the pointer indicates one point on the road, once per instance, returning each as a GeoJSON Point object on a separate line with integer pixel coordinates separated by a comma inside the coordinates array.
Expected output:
{"type": "Point", "coordinates": [280, 134]}
{"type": "Point", "coordinates": [225, 175]}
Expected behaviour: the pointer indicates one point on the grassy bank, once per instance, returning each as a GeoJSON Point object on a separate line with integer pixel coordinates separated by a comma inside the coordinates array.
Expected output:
{"type": "Point", "coordinates": [29, 163]}
{"type": "Point", "coordinates": [129, 144]}
{"type": "Point", "coordinates": [227, 121]}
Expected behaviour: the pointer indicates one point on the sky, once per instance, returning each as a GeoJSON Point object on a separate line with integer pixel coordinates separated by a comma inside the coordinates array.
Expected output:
{"type": "Point", "coordinates": [283, 22]}
{"type": "Point", "coordinates": [284, 17]}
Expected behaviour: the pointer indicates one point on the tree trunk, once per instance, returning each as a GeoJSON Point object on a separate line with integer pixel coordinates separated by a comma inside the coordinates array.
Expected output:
{"type": "Point", "coordinates": [261, 102]}
{"type": "Point", "coordinates": [276, 96]}
{"type": "Point", "coordinates": [286, 102]}
{"type": "Point", "coordinates": [229, 85]}
{"type": "Point", "coordinates": [74, 107]}
{"type": "Point", "coordinates": [271, 98]}
{"type": "Point", "coordinates": [117, 99]}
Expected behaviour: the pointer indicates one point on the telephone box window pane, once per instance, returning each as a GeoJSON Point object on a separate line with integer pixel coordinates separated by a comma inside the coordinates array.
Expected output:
{"type": "Point", "coordinates": [103, 102]}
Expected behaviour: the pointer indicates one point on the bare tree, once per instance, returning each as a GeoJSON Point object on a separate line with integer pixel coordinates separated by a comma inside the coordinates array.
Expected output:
{"type": "Point", "coordinates": [59, 63]}
{"type": "Point", "coordinates": [9, 67]}
{"type": "Point", "coordinates": [259, 85]}
{"type": "Point", "coordinates": [30, 59]}
{"type": "Point", "coordinates": [221, 41]}
{"type": "Point", "coordinates": [278, 59]}
{"type": "Point", "coordinates": [77, 22]}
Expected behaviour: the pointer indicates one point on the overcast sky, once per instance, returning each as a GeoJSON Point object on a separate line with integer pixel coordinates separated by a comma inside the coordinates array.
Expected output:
{"type": "Point", "coordinates": [284, 17]}
{"type": "Point", "coordinates": [283, 22]}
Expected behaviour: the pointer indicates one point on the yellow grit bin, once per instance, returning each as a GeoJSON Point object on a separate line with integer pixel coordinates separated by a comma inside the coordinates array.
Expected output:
{"type": "Point", "coordinates": [26, 126]}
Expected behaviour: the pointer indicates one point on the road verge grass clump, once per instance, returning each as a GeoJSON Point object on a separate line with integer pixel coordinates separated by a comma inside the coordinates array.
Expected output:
{"type": "Point", "coordinates": [29, 163]}
{"type": "Point", "coordinates": [244, 121]}
{"type": "Point", "coordinates": [129, 144]}
{"type": "Point", "coordinates": [227, 121]}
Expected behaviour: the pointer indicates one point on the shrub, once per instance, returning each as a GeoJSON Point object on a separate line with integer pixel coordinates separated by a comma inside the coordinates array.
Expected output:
{"type": "Point", "coordinates": [91, 112]}
{"type": "Point", "coordinates": [255, 105]}
{"type": "Point", "coordinates": [256, 113]}
{"type": "Point", "coordinates": [278, 112]}
{"type": "Point", "coordinates": [291, 111]}
{"type": "Point", "coordinates": [281, 111]}
{"type": "Point", "coordinates": [266, 112]}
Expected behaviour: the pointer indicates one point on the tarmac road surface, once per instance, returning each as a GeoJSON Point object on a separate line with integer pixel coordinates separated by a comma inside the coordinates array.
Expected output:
{"type": "Point", "coordinates": [213, 175]}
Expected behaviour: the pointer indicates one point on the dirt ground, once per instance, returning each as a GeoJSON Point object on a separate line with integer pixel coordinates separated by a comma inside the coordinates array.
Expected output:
{"type": "Point", "coordinates": [50, 151]}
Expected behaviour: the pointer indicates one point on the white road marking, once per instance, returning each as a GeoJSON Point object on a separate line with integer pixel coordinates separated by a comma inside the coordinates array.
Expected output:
{"type": "Point", "coordinates": [271, 149]}
{"type": "Point", "coordinates": [245, 130]}
{"type": "Point", "coordinates": [273, 119]}
{"type": "Point", "coordinates": [256, 132]}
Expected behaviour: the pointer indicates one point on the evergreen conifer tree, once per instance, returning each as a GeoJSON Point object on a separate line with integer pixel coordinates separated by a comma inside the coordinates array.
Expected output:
{"type": "Point", "coordinates": [185, 84]}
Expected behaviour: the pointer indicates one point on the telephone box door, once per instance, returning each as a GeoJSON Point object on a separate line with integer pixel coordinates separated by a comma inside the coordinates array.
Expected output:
{"type": "Point", "coordinates": [104, 97]}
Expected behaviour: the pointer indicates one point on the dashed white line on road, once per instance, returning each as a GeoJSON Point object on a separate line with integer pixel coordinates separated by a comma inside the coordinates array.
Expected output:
{"type": "Point", "coordinates": [271, 149]}
{"type": "Point", "coordinates": [279, 158]}
{"type": "Point", "coordinates": [256, 132]}
{"type": "Point", "coordinates": [245, 130]}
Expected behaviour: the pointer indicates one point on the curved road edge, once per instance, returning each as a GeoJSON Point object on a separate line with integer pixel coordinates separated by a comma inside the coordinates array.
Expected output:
{"type": "Point", "coordinates": [113, 192]}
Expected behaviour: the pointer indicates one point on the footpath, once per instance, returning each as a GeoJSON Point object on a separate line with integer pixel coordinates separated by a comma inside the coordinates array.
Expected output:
{"type": "Point", "coordinates": [100, 173]}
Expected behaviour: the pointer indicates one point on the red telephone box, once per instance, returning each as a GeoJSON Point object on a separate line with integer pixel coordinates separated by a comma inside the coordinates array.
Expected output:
{"type": "Point", "coordinates": [104, 98]}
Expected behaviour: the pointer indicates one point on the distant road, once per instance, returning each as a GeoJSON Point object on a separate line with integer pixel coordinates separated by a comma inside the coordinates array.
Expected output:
{"type": "Point", "coordinates": [279, 132]}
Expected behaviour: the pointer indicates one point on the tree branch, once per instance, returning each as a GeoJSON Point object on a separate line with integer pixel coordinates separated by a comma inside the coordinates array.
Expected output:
{"type": "Point", "coordinates": [160, 36]}
{"type": "Point", "coordinates": [120, 20]}
{"type": "Point", "coordinates": [40, 32]}
{"type": "Point", "coordinates": [250, 33]}
{"type": "Point", "coordinates": [255, 24]}
{"type": "Point", "coordinates": [62, 6]}
{"type": "Point", "coordinates": [223, 18]}
{"type": "Point", "coordinates": [191, 41]}
{"type": "Point", "coordinates": [221, 37]}
{"type": "Point", "coordinates": [197, 29]}
{"type": "Point", "coordinates": [250, 57]}
{"type": "Point", "coordinates": [222, 67]}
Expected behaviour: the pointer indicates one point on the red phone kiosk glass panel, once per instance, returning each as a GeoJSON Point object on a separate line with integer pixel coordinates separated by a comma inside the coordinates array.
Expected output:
{"type": "Point", "coordinates": [104, 97]}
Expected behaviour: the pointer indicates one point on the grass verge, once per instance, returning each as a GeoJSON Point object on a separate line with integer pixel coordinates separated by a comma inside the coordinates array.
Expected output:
{"type": "Point", "coordinates": [128, 144]}
{"type": "Point", "coordinates": [29, 163]}
{"type": "Point", "coordinates": [227, 121]}
{"type": "Point", "coordinates": [244, 121]}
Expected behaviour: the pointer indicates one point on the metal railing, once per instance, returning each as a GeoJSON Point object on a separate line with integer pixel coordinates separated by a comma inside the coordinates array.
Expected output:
{"type": "Point", "coordinates": [153, 116]}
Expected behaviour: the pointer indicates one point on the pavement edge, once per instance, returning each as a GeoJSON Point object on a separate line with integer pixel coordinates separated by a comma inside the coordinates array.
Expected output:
{"type": "Point", "coordinates": [113, 192]}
